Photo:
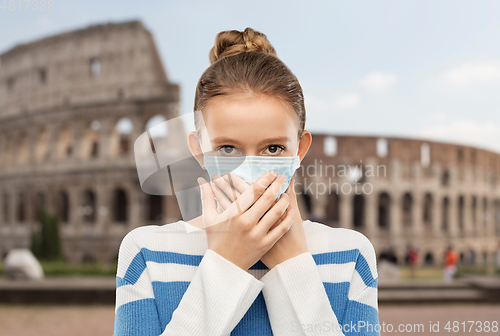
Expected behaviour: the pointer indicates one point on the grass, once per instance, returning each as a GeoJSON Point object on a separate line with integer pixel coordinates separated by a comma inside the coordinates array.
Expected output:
{"type": "Point", "coordinates": [430, 273]}
{"type": "Point", "coordinates": [61, 268]}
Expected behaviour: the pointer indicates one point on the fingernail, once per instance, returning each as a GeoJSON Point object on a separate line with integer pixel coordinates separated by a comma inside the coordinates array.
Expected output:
{"type": "Point", "coordinates": [273, 173]}
{"type": "Point", "coordinates": [199, 180]}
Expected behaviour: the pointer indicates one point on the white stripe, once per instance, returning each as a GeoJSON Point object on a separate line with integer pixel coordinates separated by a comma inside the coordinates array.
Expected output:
{"type": "Point", "coordinates": [368, 297]}
{"type": "Point", "coordinates": [168, 272]}
{"type": "Point", "coordinates": [336, 272]}
{"type": "Point", "coordinates": [142, 289]}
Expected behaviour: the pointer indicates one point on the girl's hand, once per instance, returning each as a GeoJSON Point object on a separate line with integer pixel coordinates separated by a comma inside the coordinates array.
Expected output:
{"type": "Point", "coordinates": [293, 243]}
{"type": "Point", "coordinates": [242, 233]}
{"type": "Point", "coordinates": [228, 188]}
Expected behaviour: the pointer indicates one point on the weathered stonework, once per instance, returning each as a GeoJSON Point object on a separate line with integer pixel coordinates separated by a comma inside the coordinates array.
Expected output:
{"type": "Point", "coordinates": [62, 97]}
{"type": "Point", "coordinates": [60, 101]}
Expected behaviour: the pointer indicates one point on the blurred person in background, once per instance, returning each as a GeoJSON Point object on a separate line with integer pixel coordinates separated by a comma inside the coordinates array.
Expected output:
{"type": "Point", "coordinates": [450, 264]}
{"type": "Point", "coordinates": [411, 260]}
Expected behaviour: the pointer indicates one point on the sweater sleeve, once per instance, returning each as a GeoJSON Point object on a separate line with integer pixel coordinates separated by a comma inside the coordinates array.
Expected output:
{"type": "Point", "coordinates": [298, 304]}
{"type": "Point", "coordinates": [216, 299]}
{"type": "Point", "coordinates": [296, 299]}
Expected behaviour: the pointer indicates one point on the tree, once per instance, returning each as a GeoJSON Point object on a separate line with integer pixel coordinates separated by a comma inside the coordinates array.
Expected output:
{"type": "Point", "coordinates": [46, 242]}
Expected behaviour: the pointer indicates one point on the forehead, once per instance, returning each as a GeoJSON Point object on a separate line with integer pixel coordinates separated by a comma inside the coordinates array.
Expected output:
{"type": "Point", "coordinates": [250, 116]}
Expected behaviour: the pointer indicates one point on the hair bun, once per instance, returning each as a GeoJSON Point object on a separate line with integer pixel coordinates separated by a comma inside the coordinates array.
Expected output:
{"type": "Point", "coordinates": [232, 42]}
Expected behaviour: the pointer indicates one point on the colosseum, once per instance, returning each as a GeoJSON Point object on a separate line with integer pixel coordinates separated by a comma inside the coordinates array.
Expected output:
{"type": "Point", "coordinates": [73, 105]}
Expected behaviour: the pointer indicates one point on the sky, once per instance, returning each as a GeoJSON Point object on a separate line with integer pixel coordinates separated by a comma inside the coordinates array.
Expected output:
{"type": "Point", "coordinates": [413, 69]}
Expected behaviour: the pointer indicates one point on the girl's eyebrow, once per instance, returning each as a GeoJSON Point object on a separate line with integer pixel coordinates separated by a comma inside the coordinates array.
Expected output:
{"type": "Point", "coordinates": [277, 139]}
{"type": "Point", "coordinates": [224, 139]}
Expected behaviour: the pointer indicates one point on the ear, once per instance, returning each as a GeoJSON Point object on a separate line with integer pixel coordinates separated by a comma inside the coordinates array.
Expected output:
{"type": "Point", "coordinates": [305, 142]}
{"type": "Point", "coordinates": [195, 148]}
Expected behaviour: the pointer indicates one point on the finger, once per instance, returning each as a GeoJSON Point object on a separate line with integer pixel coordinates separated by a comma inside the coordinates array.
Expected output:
{"type": "Point", "coordinates": [281, 218]}
{"type": "Point", "coordinates": [221, 197]}
{"type": "Point", "coordinates": [267, 199]}
{"type": "Point", "coordinates": [225, 187]}
{"type": "Point", "coordinates": [275, 234]}
{"type": "Point", "coordinates": [245, 201]}
{"type": "Point", "coordinates": [236, 182]}
{"type": "Point", "coordinates": [207, 199]}
{"type": "Point", "coordinates": [274, 214]}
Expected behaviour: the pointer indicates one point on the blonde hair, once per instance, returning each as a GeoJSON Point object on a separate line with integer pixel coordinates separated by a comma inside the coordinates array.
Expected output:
{"type": "Point", "coordinates": [246, 62]}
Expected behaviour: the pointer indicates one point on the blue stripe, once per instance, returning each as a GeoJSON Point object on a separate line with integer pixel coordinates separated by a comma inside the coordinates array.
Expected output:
{"type": "Point", "coordinates": [169, 295]}
{"type": "Point", "coordinates": [338, 257]}
{"type": "Point", "coordinates": [357, 312]}
{"type": "Point", "coordinates": [343, 257]}
{"type": "Point", "coordinates": [337, 295]}
{"type": "Point", "coordinates": [138, 264]}
{"type": "Point", "coordinates": [137, 318]}
{"type": "Point", "coordinates": [365, 272]}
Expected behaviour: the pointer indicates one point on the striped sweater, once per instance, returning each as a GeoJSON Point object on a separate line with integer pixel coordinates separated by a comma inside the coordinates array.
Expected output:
{"type": "Point", "coordinates": [169, 283]}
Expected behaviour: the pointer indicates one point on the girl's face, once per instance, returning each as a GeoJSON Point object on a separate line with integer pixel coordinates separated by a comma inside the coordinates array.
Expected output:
{"type": "Point", "coordinates": [247, 124]}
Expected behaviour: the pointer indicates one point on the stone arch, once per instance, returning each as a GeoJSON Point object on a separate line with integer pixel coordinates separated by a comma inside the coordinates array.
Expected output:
{"type": "Point", "coordinates": [23, 150]}
{"type": "Point", "coordinates": [407, 209]}
{"type": "Point", "coordinates": [496, 216]}
{"type": "Point", "coordinates": [91, 140]}
{"type": "Point", "coordinates": [88, 206]}
{"type": "Point", "coordinates": [154, 206]}
{"type": "Point", "coordinates": [333, 208]}
{"type": "Point", "coordinates": [330, 146]}
{"type": "Point", "coordinates": [382, 147]}
{"type": "Point", "coordinates": [8, 151]}
{"type": "Point", "coordinates": [38, 205]}
{"type": "Point", "coordinates": [157, 126]}
{"type": "Point", "coordinates": [120, 138]}
{"type": "Point", "coordinates": [65, 142]}
{"type": "Point", "coordinates": [6, 208]}
{"type": "Point", "coordinates": [21, 207]}
{"type": "Point", "coordinates": [445, 212]}
{"type": "Point", "coordinates": [425, 155]}
{"type": "Point", "coordinates": [461, 209]}
{"type": "Point", "coordinates": [429, 258]}
{"type": "Point", "coordinates": [62, 206]}
{"type": "Point", "coordinates": [474, 211]}
{"type": "Point", "coordinates": [358, 207]}
{"type": "Point", "coordinates": [307, 202]}
{"type": "Point", "coordinates": [384, 206]}
{"type": "Point", "coordinates": [445, 178]}
{"type": "Point", "coordinates": [120, 205]}
{"type": "Point", "coordinates": [485, 213]}
{"type": "Point", "coordinates": [42, 145]}
{"type": "Point", "coordinates": [428, 213]}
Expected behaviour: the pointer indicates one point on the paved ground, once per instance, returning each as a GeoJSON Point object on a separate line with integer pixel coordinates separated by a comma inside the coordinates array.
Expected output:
{"type": "Point", "coordinates": [98, 320]}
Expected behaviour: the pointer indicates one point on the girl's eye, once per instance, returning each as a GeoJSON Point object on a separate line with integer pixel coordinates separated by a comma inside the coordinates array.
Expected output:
{"type": "Point", "coordinates": [227, 150]}
{"type": "Point", "coordinates": [275, 149]}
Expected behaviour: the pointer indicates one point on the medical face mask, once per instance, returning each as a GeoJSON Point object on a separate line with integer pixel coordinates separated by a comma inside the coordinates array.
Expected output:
{"type": "Point", "coordinates": [251, 168]}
